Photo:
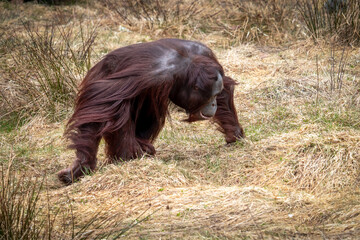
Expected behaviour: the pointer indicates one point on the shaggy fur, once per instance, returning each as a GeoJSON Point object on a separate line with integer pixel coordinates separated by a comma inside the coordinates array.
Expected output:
{"type": "Point", "coordinates": [125, 97]}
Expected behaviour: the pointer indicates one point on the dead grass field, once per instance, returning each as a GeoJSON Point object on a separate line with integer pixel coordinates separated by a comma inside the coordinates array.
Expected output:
{"type": "Point", "coordinates": [295, 176]}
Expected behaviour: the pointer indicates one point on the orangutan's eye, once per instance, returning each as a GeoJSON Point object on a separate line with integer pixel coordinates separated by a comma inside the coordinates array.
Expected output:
{"type": "Point", "coordinates": [196, 88]}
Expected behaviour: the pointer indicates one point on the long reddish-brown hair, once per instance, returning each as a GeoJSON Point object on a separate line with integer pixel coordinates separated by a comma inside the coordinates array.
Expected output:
{"type": "Point", "coordinates": [124, 99]}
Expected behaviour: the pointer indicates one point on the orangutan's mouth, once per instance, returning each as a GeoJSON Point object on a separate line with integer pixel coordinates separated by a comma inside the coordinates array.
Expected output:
{"type": "Point", "coordinates": [205, 117]}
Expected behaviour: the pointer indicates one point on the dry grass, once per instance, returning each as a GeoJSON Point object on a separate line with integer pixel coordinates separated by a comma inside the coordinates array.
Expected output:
{"type": "Point", "coordinates": [296, 176]}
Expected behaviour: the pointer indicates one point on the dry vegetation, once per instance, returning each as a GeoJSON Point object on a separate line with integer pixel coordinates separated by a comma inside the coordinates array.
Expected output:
{"type": "Point", "coordinates": [295, 176]}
